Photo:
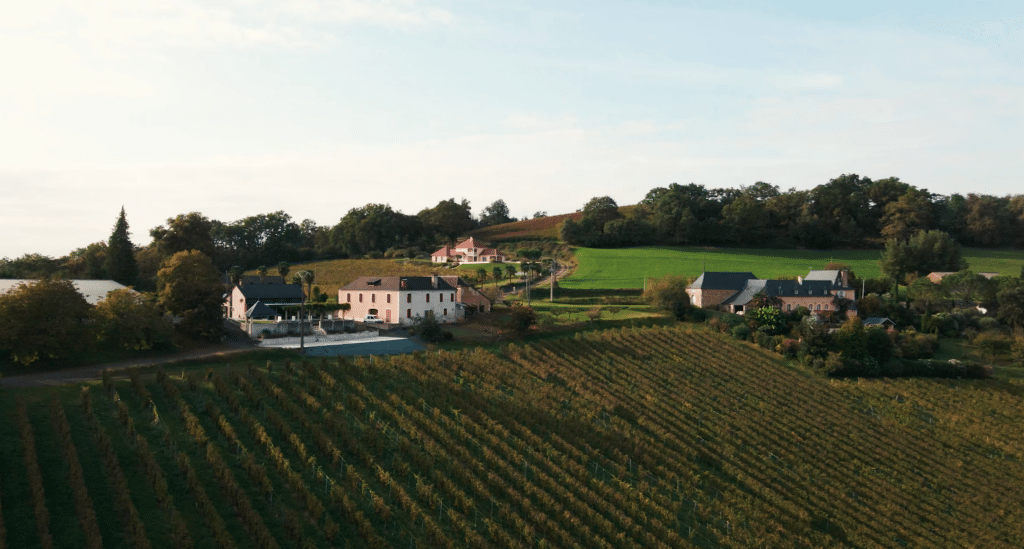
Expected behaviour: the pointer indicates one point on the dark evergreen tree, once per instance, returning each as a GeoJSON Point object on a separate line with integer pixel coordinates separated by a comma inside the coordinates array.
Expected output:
{"type": "Point", "coordinates": [121, 265]}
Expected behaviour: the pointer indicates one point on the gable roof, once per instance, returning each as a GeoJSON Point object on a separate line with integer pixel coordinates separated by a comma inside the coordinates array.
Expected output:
{"type": "Point", "coordinates": [721, 281]}
{"type": "Point", "coordinates": [780, 288]}
{"type": "Point", "coordinates": [259, 310]}
{"type": "Point", "coordinates": [271, 291]}
{"type": "Point", "coordinates": [877, 321]}
{"type": "Point", "coordinates": [468, 243]}
{"type": "Point", "coordinates": [396, 283]}
{"type": "Point", "coordinates": [94, 291]}
{"type": "Point", "coordinates": [447, 251]}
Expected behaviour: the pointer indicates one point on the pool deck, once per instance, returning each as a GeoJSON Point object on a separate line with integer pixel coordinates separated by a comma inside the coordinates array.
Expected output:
{"type": "Point", "coordinates": [380, 345]}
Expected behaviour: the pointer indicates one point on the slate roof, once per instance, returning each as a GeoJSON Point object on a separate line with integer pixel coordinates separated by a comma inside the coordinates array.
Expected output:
{"type": "Point", "coordinates": [94, 291]}
{"type": "Point", "coordinates": [744, 296]}
{"type": "Point", "coordinates": [834, 276]}
{"type": "Point", "coordinates": [877, 321]}
{"type": "Point", "coordinates": [259, 310]}
{"type": "Point", "coordinates": [271, 291]}
{"type": "Point", "coordinates": [721, 281]}
{"type": "Point", "coordinates": [780, 288]}
{"type": "Point", "coordinates": [395, 283]}
{"type": "Point", "coordinates": [830, 275]}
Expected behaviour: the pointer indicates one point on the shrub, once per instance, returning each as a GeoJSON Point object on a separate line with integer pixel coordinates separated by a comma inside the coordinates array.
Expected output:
{"type": "Point", "coordinates": [696, 314]}
{"type": "Point", "coordinates": [666, 291]}
{"type": "Point", "coordinates": [988, 323]}
{"type": "Point", "coordinates": [992, 342]}
{"type": "Point", "coordinates": [428, 329]}
{"type": "Point", "coordinates": [913, 345]}
{"type": "Point", "coordinates": [788, 347]}
{"type": "Point", "coordinates": [741, 332]}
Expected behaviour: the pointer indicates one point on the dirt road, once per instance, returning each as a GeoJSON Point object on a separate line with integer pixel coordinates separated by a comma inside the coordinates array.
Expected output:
{"type": "Point", "coordinates": [87, 373]}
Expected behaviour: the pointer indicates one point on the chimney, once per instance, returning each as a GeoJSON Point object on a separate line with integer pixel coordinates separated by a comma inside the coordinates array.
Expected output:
{"type": "Point", "coordinates": [799, 280]}
{"type": "Point", "coordinates": [433, 281]}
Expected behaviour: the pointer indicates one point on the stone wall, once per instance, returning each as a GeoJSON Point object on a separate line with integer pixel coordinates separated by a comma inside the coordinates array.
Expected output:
{"type": "Point", "coordinates": [709, 298]}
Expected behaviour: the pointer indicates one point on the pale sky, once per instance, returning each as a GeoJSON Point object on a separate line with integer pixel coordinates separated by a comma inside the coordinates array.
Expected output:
{"type": "Point", "coordinates": [240, 107]}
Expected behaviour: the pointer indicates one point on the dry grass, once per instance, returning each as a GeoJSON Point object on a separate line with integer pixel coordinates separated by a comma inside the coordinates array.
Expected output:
{"type": "Point", "coordinates": [335, 273]}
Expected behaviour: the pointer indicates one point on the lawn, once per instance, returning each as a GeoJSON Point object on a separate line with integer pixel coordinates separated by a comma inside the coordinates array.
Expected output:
{"type": "Point", "coordinates": [628, 267]}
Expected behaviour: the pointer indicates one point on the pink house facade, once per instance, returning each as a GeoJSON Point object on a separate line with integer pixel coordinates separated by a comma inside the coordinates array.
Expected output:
{"type": "Point", "coordinates": [405, 300]}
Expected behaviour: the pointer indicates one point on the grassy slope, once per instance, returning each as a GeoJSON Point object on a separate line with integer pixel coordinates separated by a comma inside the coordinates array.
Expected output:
{"type": "Point", "coordinates": [627, 267]}
{"type": "Point", "coordinates": [335, 273]}
{"type": "Point", "coordinates": [720, 442]}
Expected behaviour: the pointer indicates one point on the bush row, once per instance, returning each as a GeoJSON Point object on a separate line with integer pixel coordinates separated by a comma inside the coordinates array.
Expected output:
{"type": "Point", "coordinates": [83, 503]}
{"type": "Point", "coordinates": [35, 478]}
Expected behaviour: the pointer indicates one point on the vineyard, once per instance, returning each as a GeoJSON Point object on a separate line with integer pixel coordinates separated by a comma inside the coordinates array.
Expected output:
{"type": "Point", "coordinates": [657, 437]}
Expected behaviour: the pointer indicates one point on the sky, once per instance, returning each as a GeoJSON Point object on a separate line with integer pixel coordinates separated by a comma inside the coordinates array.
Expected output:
{"type": "Point", "coordinates": [234, 108]}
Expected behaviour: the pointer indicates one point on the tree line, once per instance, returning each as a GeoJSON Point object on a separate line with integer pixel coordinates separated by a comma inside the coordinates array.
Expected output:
{"type": "Point", "coordinates": [848, 211]}
{"type": "Point", "coordinates": [264, 239]}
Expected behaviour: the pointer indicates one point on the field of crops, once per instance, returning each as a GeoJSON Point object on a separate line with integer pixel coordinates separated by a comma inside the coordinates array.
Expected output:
{"type": "Point", "coordinates": [541, 228]}
{"type": "Point", "coordinates": [627, 267]}
{"type": "Point", "coordinates": [653, 437]}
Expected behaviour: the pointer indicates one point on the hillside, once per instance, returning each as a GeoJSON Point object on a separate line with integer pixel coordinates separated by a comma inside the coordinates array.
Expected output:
{"type": "Point", "coordinates": [541, 228]}
{"type": "Point", "coordinates": [655, 437]}
{"type": "Point", "coordinates": [627, 267]}
{"type": "Point", "coordinates": [334, 273]}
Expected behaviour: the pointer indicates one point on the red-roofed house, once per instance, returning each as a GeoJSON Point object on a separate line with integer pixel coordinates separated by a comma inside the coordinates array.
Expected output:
{"type": "Point", "coordinates": [467, 251]}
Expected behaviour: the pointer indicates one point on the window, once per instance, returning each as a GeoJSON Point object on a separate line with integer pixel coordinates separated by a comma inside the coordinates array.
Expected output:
{"type": "Point", "coordinates": [408, 313]}
{"type": "Point", "coordinates": [373, 298]}
{"type": "Point", "coordinates": [826, 306]}
{"type": "Point", "coordinates": [408, 298]}
{"type": "Point", "coordinates": [389, 298]}
{"type": "Point", "coordinates": [348, 298]}
{"type": "Point", "coordinates": [452, 297]}
{"type": "Point", "coordinates": [360, 298]}
{"type": "Point", "coordinates": [428, 298]}
{"type": "Point", "coordinates": [446, 312]}
{"type": "Point", "coordinates": [819, 306]}
{"type": "Point", "coordinates": [789, 306]}
{"type": "Point", "coordinates": [440, 297]}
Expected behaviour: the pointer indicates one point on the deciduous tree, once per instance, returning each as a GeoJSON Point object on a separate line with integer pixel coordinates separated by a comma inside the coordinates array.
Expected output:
{"type": "Point", "coordinates": [44, 320]}
{"type": "Point", "coordinates": [191, 288]}
{"type": "Point", "coordinates": [925, 252]}
{"type": "Point", "coordinates": [132, 321]}
{"type": "Point", "coordinates": [495, 214]}
{"type": "Point", "coordinates": [191, 231]}
{"type": "Point", "coordinates": [1011, 303]}
{"type": "Point", "coordinates": [523, 316]}
{"type": "Point", "coordinates": [448, 218]}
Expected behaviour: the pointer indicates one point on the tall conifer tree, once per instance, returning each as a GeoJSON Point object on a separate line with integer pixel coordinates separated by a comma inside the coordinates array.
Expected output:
{"type": "Point", "coordinates": [121, 264]}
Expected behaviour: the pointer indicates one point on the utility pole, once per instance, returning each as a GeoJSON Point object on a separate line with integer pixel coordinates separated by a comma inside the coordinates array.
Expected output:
{"type": "Point", "coordinates": [302, 333]}
{"type": "Point", "coordinates": [554, 268]}
{"type": "Point", "coordinates": [527, 273]}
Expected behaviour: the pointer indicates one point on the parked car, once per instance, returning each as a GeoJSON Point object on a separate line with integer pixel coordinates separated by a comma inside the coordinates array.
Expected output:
{"type": "Point", "coordinates": [372, 319]}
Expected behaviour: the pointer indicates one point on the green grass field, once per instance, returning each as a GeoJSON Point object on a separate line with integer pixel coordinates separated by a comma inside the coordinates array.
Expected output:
{"type": "Point", "coordinates": [628, 267]}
